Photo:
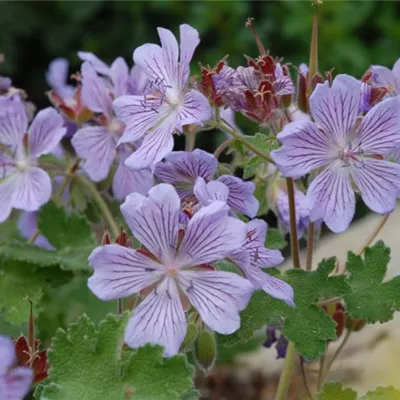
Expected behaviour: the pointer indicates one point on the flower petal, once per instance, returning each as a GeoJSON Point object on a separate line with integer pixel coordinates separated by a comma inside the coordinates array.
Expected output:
{"type": "Point", "coordinates": [138, 113]}
{"type": "Point", "coordinates": [335, 109]}
{"type": "Point", "coordinates": [13, 122]}
{"type": "Point", "coordinates": [218, 297]}
{"type": "Point", "coordinates": [120, 76]}
{"type": "Point", "coordinates": [189, 38]}
{"type": "Point", "coordinates": [154, 220]}
{"type": "Point", "coordinates": [304, 148]}
{"type": "Point", "coordinates": [17, 383]}
{"type": "Point", "coordinates": [181, 169]}
{"type": "Point", "coordinates": [159, 319]}
{"type": "Point", "coordinates": [7, 354]}
{"type": "Point", "coordinates": [379, 183]}
{"type": "Point", "coordinates": [7, 193]}
{"type": "Point", "coordinates": [32, 189]}
{"type": "Point", "coordinates": [127, 180]}
{"type": "Point", "coordinates": [170, 52]}
{"type": "Point", "coordinates": [57, 77]}
{"type": "Point", "coordinates": [121, 272]}
{"type": "Point", "coordinates": [379, 130]}
{"type": "Point", "coordinates": [99, 66]}
{"type": "Point", "coordinates": [95, 94]}
{"type": "Point", "coordinates": [241, 195]}
{"type": "Point", "coordinates": [137, 81]}
{"type": "Point", "coordinates": [27, 226]}
{"type": "Point", "coordinates": [95, 145]}
{"type": "Point", "coordinates": [45, 132]}
{"type": "Point", "coordinates": [206, 193]}
{"type": "Point", "coordinates": [332, 199]}
{"type": "Point", "coordinates": [194, 110]}
{"type": "Point", "coordinates": [155, 146]}
{"type": "Point", "coordinates": [211, 235]}
{"type": "Point", "coordinates": [385, 77]}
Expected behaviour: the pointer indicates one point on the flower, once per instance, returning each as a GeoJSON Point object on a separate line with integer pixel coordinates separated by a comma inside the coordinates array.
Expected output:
{"type": "Point", "coordinates": [174, 267]}
{"type": "Point", "coordinates": [23, 184]}
{"type": "Point", "coordinates": [383, 76]}
{"type": "Point", "coordinates": [27, 226]}
{"type": "Point", "coordinates": [97, 144]}
{"type": "Point", "coordinates": [15, 382]}
{"type": "Point", "coordinates": [57, 78]}
{"type": "Point", "coordinates": [344, 149]}
{"type": "Point", "coordinates": [168, 104]}
{"type": "Point", "coordinates": [181, 169]}
{"type": "Point", "coordinates": [253, 256]}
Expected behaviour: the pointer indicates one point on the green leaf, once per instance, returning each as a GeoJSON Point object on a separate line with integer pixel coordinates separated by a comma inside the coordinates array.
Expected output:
{"type": "Point", "coordinates": [29, 253]}
{"type": "Point", "coordinates": [90, 364]}
{"type": "Point", "coordinates": [275, 239]}
{"type": "Point", "coordinates": [306, 325]}
{"type": "Point", "coordinates": [261, 195]}
{"type": "Point", "coordinates": [336, 391]}
{"type": "Point", "coordinates": [388, 393]}
{"type": "Point", "coordinates": [370, 298]}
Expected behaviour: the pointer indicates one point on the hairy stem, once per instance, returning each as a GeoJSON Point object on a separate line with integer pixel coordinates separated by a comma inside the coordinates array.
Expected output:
{"type": "Point", "coordinates": [305, 380]}
{"type": "Point", "coordinates": [321, 371]}
{"type": "Point", "coordinates": [294, 241]}
{"type": "Point", "coordinates": [287, 372]}
{"type": "Point", "coordinates": [375, 233]}
{"type": "Point", "coordinates": [190, 140]}
{"type": "Point", "coordinates": [97, 197]}
{"type": "Point", "coordinates": [310, 245]}
{"type": "Point", "coordinates": [222, 147]}
{"type": "Point", "coordinates": [33, 238]}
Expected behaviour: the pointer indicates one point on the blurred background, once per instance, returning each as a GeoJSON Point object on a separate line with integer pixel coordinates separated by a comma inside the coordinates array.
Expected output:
{"type": "Point", "coordinates": [353, 34]}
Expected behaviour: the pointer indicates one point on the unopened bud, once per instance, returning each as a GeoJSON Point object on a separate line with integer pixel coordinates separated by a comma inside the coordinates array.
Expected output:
{"type": "Point", "coordinates": [205, 350]}
{"type": "Point", "coordinates": [337, 312]}
{"type": "Point", "coordinates": [106, 238]}
{"type": "Point", "coordinates": [191, 335]}
{"type": "Point", "coordinates": [355, 324]}
{"type": "Point", "coordinates": [123, 239]}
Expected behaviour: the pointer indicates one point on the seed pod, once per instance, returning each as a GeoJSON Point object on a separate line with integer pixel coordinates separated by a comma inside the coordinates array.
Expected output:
{"type": "Point", "coordinates": [205, 350]}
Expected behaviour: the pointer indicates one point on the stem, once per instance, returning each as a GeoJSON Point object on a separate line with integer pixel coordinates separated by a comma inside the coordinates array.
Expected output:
{"type": "Point", "coordinates": [294, 241]}
{"type": "Point", "coordinates": [375, 233]}
{"type": "Point", "coordinates": [33, 238]}
{"type": "Point", "coordinates": [305, 380]}
{"type": "Point", "coordinates": [233, 132]}
{"type": "Point", "coordinates": [335, 356]}
{"type": "Point", "coordinates": [328, 301]}
{"type": "Point", "coordinates": [101, 203]}
{"type": "Point", "coordinates": [287, 372]}
{"type": "Point", "coordinates": [222, 147]}
{"type": "Point", "coordinates": [120, 307]}
{"type": "Point", "coordinates": [190, 140]}
{"type": "Point", "coordinates": [310, 245]}
{"type": "Point", "coordinates": [313, 64]}
{"type": "Point", "coordinates": [320, 372]}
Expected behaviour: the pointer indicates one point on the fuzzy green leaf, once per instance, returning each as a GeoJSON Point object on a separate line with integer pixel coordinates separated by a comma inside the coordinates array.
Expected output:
{"type": "Point", "coordinates": [371, 299]}
{"type": "Point", "coordinates": [275, 239]}
{"type": "Point", "coordinates": [387, 393]}
{"type": "Point", "coordinates": [306, 325]}
{"type": "Point", "coordinates": [336, 391]}
{"type": "Point", "coordinates": [90, 364]}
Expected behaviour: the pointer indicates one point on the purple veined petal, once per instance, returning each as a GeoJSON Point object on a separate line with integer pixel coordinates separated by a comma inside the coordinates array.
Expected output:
{"type": "Point", "coordinates": [120, 76]}
{"type": "Point", "coordinates": [13, 122]}
{"type": "Point", "coordinates": [57, 75]}
{"type": "Point", "coordinates": [7, 354]}
{"type": "Point", "coordinates": [269, 284]}
{"type": "Point", "coordinates": [241, 195]}
{"type": "Point", "coordinates": [17, 383]}
{"type": "Point", "coordinates": [396, 73]}
{"type": "Point", "coordinates": [137, 81]}
{"type": "Point", "coordinates": [121, 272]}
{"type": "Point", "coordinates": [139, 114]}
{"type": "Point", "coordinates": [335, 109]}
{"type": "Point", "coordinates": [332, 199]}
{"type": "Point", "coordinates": [378, 182]}
{"type": "Point", "coordinates": [45, 132]}
{"type": "Point", "coordinates": [218, 297]}
{"type": "Point", "coordinates": [228, 115]}
{"type": "Point", "coordinates": [385, 77]}
{"type": "Point", "coordinates": [27, 226]}
{"type": "Point", "coordinates": [246, 78]}
{"type": "Point", "coordinates": [127, 180]}
{"type": "Point", "coordinates": [154, 219]}
{"type": "Point", "coordinates": [7, 194]}
{"type": "Point", "coordinates": [156, 144]}
{"type": "Point", "coordinates": [32, 188]}
{"type": "Point", "coordinates": [96, 146]}
{"type": "Point", "coordinates": [304, 148]}
{"type": "Point", "coordinates": [206, 193]}
{"type": "Point", "coordinates": [365, 99]}
{"type": "Point", "coordinates": [95, 93]}
{"type": "Point", "coordinates": [170, 52]}
{"type": "Point", "coordinates": [283, 86]}
{"type": "Point", "coordinates": [99, 66]}
{"type": "Point", "coordinates": [189, 38]}
{"type": "Point", "coordinates": [379, 130]}
{"type": "Point", "coordinates": [210, 236]}
{"type": "Point", "coordinates": [181, 169]}
{"type": "Point", "coordinates": [194, 110]}
{"type": "Point", "coordinates": [159, 319]}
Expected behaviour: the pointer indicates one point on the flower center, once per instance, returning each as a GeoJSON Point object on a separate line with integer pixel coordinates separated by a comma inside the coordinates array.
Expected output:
{"type": "Point", "coordinates": [23, 164]}
{"type": "Point", "coordinates": [350, 155]}
{"type": "Point", "coordinates": [172, 272]}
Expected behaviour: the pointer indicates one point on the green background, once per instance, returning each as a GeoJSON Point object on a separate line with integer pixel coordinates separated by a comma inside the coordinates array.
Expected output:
{"type": "Point", "coordinates": [353, 35]}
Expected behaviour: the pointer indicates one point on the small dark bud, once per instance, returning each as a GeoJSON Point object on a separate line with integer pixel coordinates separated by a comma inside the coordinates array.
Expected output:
{"type": "Point", "coordinates": [123, 239]}
{"type": "Point", "coordinates": [106, 238]}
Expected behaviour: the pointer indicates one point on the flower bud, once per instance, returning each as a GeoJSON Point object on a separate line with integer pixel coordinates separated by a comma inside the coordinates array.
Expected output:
{"type": "Point", "coordinates": [191, 336]}
{"type": "Point", "coordinates": [205, 350]}
{"type": "Point", "coordinates": [123, 239]}
{"type": "Point", "coordinates": [106, 238]}
{"type": "Point", "coordinates": [337, 312]}
{"type": "Point", "coordinates": [355, 324]}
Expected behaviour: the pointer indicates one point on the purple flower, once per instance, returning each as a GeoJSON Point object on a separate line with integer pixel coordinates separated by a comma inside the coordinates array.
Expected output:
{"type": "Point", "coordinates": [383, 76]}
{"type": "Point", "coordinates": [253, 256]}
{"type": "Point", "coordinates": [345, 150]}
{"type": "Point", "coordinates": [27, 226]}
{"type": "Point", "coordinates": [23, 184]}
{"type": "Point", "coordinates": [57, 78]}
{"type": "Point", "coordinates": [171, 267]}
{"type": "Point", "coordinates": [15, 382]}
{"type": "Point", "coordinates": [181, 169]}
{"type": "Point", "coordinates": [168, 104]}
